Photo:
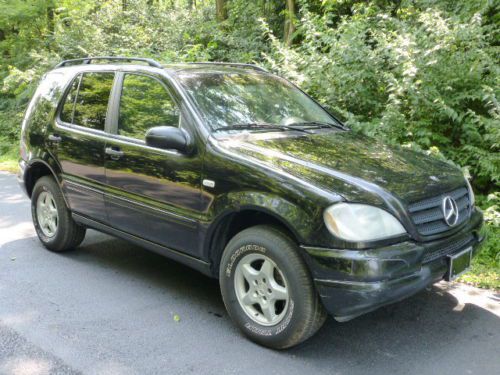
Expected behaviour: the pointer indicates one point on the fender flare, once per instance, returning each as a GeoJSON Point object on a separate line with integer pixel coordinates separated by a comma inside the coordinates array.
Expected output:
{"type": "Point", "coordinates": [57, 175]}
{"type": "Point", "coordinates": [296, 220]}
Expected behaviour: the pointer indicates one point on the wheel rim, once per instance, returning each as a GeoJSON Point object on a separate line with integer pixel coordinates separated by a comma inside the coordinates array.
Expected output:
{"type": "Point", "coordinates": [261, 289]}
{"type": "Point", "coordinates": [46, 213]}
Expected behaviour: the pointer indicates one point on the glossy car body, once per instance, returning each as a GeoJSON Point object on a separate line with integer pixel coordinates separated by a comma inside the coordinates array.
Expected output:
{"type": "Point", "coordinates": [187, 205]}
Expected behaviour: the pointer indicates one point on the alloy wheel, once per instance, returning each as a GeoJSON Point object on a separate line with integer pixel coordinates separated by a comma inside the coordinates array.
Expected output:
{"type": "Point", "coordinates": [261, 289]}
{"type": "Point", "coordinates": [46, 213]}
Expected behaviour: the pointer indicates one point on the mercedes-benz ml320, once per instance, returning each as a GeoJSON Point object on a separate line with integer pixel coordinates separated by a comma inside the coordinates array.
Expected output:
{"type": "Point", "coordinates": [239, 174]}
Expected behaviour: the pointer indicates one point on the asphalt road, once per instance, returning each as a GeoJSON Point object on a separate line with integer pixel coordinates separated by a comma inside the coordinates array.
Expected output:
{"type": "Point", "coordinates": [109, 307]}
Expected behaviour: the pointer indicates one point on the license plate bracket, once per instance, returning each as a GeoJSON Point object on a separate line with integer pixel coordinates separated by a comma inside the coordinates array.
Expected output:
{"type": "Point", "coordinates": [458, 264]}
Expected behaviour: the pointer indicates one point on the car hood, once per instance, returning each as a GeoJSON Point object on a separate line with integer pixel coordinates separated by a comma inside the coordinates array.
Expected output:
{"type": "Point", "coordinates": [349, 164]}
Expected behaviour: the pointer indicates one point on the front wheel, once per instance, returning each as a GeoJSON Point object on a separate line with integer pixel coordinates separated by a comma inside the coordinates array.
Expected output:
{"type": "Point", "coordinates": [53, 223]}
{"type": "Point", "coordinates": [267, 289]}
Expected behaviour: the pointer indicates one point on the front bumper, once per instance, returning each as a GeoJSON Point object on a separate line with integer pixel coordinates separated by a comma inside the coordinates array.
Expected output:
{"type": "Point", "coordinates": [354, 282]}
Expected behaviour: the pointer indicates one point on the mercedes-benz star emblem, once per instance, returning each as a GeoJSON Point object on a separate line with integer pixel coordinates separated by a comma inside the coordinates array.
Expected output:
{"type": "Point", "coordinates": [450, 211]}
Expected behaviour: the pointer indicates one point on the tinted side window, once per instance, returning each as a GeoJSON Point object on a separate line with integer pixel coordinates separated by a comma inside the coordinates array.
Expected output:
{"type": "Point", "coordinates": [144, 103]}
{"type": "Point", "coordinates": [92, 100]}
{"type": "Point", "coordinates": [69, 101]}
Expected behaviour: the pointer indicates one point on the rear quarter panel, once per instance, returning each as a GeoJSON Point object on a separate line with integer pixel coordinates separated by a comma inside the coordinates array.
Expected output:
{"type": "Point", "coordinates": [38, 117]}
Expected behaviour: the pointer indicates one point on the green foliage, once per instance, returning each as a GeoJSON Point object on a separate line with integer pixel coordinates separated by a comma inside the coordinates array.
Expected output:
{"type": "Point", "coordinates": [485, 271]}
{"type": "Point", "coordinates": [8, 160]}
{"type": "Point", "coordinates": [427, 78]}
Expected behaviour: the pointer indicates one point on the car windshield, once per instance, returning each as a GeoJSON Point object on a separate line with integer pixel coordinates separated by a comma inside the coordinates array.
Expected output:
{"type": "Point", "coordinates": [235, 99]}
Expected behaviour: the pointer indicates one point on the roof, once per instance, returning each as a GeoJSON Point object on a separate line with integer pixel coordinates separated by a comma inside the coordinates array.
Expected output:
{"type": "Point", "coordinates": [210, 67]}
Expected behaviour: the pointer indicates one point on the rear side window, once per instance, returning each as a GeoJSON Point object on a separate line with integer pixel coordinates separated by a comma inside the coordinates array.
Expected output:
{"type": "Point", "coordinates": [87, 101]}
{"type": "Point", "coordinates": [69, 102]}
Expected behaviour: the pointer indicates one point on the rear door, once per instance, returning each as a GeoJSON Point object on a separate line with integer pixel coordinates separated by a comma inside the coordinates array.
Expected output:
{"type": "Point", "coordinates": [78, 141]}
{"type": "Point", "coordinates": [152, 193]}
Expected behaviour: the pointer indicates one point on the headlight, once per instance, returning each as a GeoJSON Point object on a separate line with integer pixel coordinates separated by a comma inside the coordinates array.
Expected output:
{"type": "Point", "coordinates": [360, 222]}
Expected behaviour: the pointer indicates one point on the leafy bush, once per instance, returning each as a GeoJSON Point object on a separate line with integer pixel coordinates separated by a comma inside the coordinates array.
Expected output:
{"type": "Point", "coordinates": [485, 270]}
{"type": "Point", "coordinates": [424, 78]}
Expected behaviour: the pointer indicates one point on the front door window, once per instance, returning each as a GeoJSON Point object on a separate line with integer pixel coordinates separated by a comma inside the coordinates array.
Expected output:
{"type": "Point", "coordinates": [144, 104]}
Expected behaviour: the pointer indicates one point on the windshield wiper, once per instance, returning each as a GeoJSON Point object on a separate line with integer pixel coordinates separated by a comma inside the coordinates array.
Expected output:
{"type": "Point", "coordinates": [319, 124]}
{"type": "Point", "coordinates": [257, 125]}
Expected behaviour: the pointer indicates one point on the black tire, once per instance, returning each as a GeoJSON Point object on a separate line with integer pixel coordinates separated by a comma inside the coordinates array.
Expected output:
{"type": "Point", "coordinates": [305, 313]}
{"type": "Point", "coordinates": [68, 234]}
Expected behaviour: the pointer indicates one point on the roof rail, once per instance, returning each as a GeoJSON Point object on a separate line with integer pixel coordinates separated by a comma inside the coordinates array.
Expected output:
{"type": "Point", "coordinates": [251, 66]}
{"type": "Point", "coordinates": [88, 60]}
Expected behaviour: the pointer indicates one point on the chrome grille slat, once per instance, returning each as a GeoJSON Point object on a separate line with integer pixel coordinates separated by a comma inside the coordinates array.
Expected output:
{"type": "Point", "coordinates": [462, 203]}
{"type": "Point", "coordinates": [427, 214]}
{"type": "Point", "coordinates": [423, 205]}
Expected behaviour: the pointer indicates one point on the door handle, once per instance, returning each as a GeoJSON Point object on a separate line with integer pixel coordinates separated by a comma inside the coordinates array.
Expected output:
{"type": "Point", "coordinates": [55, 138]}
{"type": "Point", "coordinates": [115, 154]}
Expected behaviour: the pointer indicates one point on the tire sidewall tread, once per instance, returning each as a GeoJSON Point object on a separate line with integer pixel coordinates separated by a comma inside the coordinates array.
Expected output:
{"type": "Point", "coordinates": [305, 312]}
{"type": "Point", "coordinates": [68, 234]}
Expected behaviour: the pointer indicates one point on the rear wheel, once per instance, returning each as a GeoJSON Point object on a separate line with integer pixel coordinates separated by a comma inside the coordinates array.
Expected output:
{"type": "Point", "coordinates": [267, 289]}
{"type": "Point", "coordinates": [53, 223]}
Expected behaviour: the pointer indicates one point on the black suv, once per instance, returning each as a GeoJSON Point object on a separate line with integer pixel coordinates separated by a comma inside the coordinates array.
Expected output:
{"type": "Point", "coordinates": [239, 174]}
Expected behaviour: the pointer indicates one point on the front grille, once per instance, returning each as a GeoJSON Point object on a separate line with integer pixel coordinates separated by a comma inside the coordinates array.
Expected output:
{"type": "Point", "coordinates": [428, 216]}
{"type": "Point", "coordinates": [433, 254]}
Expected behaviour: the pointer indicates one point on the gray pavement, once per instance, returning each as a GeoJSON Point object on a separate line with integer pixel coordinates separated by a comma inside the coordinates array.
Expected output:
{"type": "Point", "coordinates": [109, 307]}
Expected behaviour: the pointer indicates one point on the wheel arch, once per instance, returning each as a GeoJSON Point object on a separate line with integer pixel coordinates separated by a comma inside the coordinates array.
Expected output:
{"type": "Point", "coordinates": [35, 169]}
{"type": "Point", "coordinates": [231, 222]}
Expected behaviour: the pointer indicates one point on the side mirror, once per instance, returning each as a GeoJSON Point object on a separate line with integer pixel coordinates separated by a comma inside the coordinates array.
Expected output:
{"type": "Point", "coordinates": [169, 138]}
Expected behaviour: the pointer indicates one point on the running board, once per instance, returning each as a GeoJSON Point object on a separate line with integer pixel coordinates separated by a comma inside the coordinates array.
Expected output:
{"type": "Point", "coordinates": [197, 264]}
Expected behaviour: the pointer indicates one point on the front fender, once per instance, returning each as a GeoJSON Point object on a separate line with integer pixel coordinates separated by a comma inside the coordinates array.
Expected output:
{"type": "Point", "coordinates": [304, 224]}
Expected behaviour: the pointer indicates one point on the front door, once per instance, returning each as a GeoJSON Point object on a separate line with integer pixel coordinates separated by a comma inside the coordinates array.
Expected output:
{"type": "Point", "coordinates": [78, 141]}
{"type": "Point", "coordinates": [152, 193]}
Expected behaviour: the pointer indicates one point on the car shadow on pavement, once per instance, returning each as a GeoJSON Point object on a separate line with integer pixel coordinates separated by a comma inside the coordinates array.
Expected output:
{"type": "Point", "coordinates": [431, 328]}
{"type": "Point", "coordinates": [430, 325]}
{"type": "Point", "coordinates": [431, 319]}
{"type": "Point", "coordinates": [155, 270]}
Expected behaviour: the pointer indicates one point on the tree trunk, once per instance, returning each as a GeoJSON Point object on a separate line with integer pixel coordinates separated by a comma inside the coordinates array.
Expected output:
{"type": "Point", "coordinates": [263, 6]}
{"type": "Point", "coordinates": [397, 5]}
{"type": "Point", "coordinates": [220, 10]}
{"type": "Point", "coordinates": [50, 18]}
{"type": "Point", "coordinates": [289, 22]}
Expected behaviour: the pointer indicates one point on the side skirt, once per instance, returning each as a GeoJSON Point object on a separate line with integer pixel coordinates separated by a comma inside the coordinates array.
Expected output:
{"type": "Point", "coordinates": [197, 264]}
